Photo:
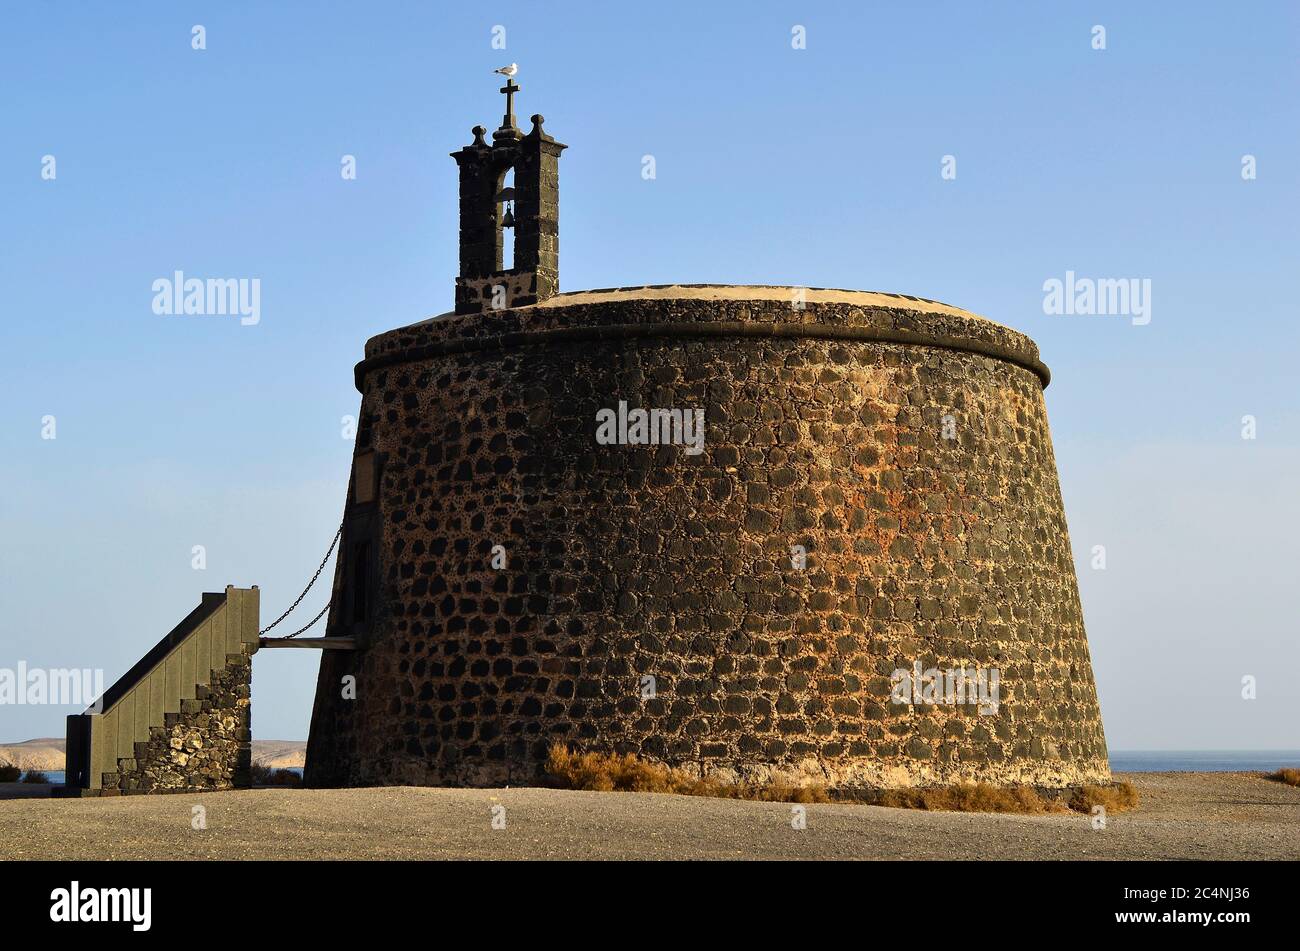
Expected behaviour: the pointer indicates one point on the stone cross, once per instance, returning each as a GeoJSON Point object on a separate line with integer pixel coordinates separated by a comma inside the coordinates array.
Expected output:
{"type": "Point", "coordinates": [508, 122]}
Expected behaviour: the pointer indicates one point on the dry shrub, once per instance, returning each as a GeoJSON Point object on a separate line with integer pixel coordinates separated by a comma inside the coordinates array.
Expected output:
{"type": "Point", "coordinates": [624, 772]}
{"type": "Point", "coordinates": [270, 776]}
{"type": "Point", "coordinates": [284, 777]}
{"type": "Point", "coordinates": [1117, 797]}
{"type": "Point", "coordinates": [1286, 775]}
{"type": "Point", "coordinates": [981, 797]}
{"type": "Point", "coordinates": [971, 797]}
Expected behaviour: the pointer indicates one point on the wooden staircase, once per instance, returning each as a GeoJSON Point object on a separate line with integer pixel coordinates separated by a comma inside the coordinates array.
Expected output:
{"type": "Point", "coordinates": [171, 680]}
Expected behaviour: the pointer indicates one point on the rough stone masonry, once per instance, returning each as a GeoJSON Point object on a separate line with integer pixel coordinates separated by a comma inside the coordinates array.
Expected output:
{"type": "Point", "coordinates": [902, 444]}
{"type": "Point", "coordinates": [206, 746]}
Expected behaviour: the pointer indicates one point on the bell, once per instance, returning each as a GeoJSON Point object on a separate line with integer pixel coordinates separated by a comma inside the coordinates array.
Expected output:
{"type": "Point", "coordinates": [509, 220]}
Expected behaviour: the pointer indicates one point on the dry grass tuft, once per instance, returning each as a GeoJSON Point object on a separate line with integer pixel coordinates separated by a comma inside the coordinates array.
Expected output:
{"type": "Point", "coordinates": [1025, 800]}
{"type": "Point", "coordinates": [624, 772]}
{"type": "Point", "coordinates": [1117, 797]}
{"type": "Point", "coordinates": [972, 797]}
{"type": "Point", "coordinates": [615, 772]}
{"type": "Point", "coordinates": [1286, 775]}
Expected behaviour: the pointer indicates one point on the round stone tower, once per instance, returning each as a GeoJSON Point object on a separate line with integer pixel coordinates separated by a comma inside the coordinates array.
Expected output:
{"type": "Point", "coordinates": [743, 530]}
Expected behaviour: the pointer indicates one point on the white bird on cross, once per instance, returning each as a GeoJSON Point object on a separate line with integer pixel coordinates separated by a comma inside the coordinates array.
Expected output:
{"type": "Point", "coordinates": [508, 71]}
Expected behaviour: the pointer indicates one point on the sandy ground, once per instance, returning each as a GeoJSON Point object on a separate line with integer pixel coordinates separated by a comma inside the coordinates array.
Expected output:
{"type": "Point", "coordinates": [1183, 815]}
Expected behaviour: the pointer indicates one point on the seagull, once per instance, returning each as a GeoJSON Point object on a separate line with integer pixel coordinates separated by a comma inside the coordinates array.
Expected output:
{"type": "Point", "coordinates": [508, 71]}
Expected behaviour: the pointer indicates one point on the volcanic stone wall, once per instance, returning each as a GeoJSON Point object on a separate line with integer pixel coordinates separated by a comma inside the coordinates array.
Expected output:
{"type": "Point", "coordinates": [656, 602]}
{"type": "Point", "coordinates": [207, 745]}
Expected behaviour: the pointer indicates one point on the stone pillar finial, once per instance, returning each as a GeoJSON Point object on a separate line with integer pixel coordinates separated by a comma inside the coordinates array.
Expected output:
{"type": "Point", "coordinates": [538, 132]}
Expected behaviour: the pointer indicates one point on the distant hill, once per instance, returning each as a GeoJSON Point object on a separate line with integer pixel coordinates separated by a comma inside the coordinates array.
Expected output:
{"type": "Point", "coordinates": [43, 753]}
{"type": "Point", "coordinates": [280, 753]}
{"type": "Point", "coordinates": [46, 753]}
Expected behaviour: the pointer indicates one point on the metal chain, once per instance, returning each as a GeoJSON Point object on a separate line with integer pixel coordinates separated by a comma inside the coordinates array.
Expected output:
{"type": "Point", "coordinates": [308, 624]}
{"type": "Point", "coordinates": [297, 602]}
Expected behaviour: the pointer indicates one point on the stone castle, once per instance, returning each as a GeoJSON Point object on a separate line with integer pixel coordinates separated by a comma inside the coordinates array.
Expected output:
{"type": "Point", "coordinates": [858, 573]}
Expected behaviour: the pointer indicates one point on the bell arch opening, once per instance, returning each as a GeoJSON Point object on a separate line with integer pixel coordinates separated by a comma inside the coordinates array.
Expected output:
{"type": "Point", "coordinates": [506, 212]}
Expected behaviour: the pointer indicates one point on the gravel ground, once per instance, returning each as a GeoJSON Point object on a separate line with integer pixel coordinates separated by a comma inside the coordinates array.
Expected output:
{"type": "Point", "coordinates": [1182, 815]}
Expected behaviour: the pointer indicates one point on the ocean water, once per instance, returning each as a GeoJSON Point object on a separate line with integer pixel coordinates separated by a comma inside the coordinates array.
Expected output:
{"type": "Point", "coordinates": [55, 776]}
{"type": "Point", "coordinates": [1129, 761]}
{"type": "Point", "coordinates": [1201, 761]}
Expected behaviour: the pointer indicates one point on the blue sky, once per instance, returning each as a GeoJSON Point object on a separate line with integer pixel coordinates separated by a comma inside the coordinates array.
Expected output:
{"type": "Point", "coordinates": [816, 166]}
